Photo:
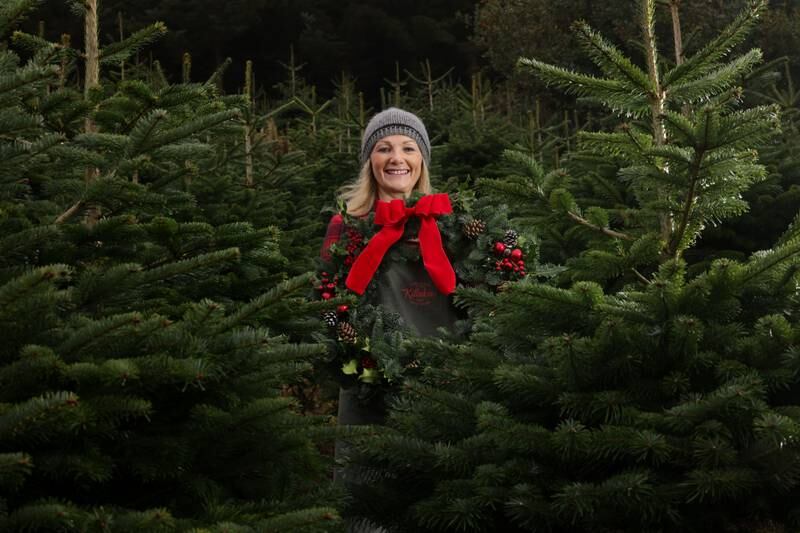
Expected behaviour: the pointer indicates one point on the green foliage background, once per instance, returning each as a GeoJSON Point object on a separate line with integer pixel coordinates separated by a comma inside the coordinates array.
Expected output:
{"type": "Point", "coordinates": [157, 234]}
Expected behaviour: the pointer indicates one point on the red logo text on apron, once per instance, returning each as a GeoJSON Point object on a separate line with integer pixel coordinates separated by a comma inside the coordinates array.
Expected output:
{"type": "Point", "coordinates": [419, 293]}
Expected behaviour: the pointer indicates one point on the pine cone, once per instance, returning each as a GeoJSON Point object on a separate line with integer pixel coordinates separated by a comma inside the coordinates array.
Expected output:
{"type": "Point", "coordinates": [510, 238]}
{"type": "Point", "coordinates": [474, 228]}
{"type": "Point", "coordinates": [330, 318]}
{"type": "Point", "coordinates": [347, 333]}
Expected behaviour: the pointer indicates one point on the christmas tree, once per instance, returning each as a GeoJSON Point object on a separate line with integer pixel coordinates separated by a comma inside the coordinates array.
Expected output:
{"type": "Point", "coordinates": [145, 341]}
{"type": "Point", "coordinates": [631, 395]}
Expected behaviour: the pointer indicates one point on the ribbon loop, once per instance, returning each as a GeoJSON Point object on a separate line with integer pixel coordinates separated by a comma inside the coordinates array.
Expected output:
{"type": "Point", "coordinates": [392, 216]}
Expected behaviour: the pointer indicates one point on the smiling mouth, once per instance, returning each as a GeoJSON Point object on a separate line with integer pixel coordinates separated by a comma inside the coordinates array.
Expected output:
{"type": "Point", "coordinates": [396, 172]}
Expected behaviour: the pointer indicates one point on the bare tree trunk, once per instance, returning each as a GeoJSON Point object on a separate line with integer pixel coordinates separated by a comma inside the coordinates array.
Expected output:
{"type": "Point", "coordinates": [62, 72]}
{"type": "Point", "coordinates": [186, 68]}
{"type": "Point", "coordinates": [92, 80]}
{"type": "Point", "coordinates": [121, 37]}
{"type": "Point", "coordinates": [248, 127]}
{"type": "Point", "coordinates": [92, 77]}
{"type": "Point", "coordinates": [674, 5]}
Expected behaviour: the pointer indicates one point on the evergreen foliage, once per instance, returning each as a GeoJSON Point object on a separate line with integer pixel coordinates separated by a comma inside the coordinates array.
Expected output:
{"type": "Point", "coordinates": [773, 202]}
{"type": "Point", "coordinates": [683, 156]}
{"type": "Point", "coordinates": [146, 341]}
{"type": "Point", "coordinates": [152, 280]}
{"type": "Point", "coordinates": [666, 400]}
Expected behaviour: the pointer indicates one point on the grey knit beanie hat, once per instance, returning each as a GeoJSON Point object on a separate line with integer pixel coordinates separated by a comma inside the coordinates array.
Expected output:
{"type": "Point", "coordinates": [394, 121]}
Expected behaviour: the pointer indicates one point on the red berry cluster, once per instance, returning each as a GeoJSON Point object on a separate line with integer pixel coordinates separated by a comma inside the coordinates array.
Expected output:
{"type": "Point", "coordinates": [355, 242]}
{"type": "Point", "coordinates": [368, 362]}
{"type": "Point", "coordinates": [327, 287]}
{"type": "Point", "coordinates": [509, 260]}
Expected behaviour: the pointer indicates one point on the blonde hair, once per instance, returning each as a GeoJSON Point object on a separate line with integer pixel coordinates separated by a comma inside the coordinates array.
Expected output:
{"type": "Point", "coordinates": [360, 195]}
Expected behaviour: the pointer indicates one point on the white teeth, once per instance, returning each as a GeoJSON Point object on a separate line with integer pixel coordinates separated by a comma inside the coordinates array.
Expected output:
{"type": "Point", "coordinates": [397, 172]}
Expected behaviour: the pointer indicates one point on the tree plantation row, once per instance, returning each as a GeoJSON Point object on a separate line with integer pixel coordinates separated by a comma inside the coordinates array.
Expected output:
{"type": "Point", "coordinates": [165, 365]}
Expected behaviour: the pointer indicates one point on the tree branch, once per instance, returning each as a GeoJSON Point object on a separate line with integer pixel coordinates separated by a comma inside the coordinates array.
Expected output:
{"type": "Point", "coordinates": [641, 277]}
{"type": "Point", "coordinates": [689, 200]}
{"type": "Point", "coordinates": [66, 215]}
{"type": "Point", "coordinates": [605, 231]}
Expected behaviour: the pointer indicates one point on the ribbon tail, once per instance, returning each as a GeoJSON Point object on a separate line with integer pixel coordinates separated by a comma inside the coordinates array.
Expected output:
{"type": "Point", "coordinates": [434, 257]}
{"type": "Point", "coordinates": [370, 258]}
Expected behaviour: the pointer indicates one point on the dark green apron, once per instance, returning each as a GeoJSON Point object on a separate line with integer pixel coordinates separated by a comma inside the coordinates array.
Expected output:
{"type": "Point", "coordinates": [403, 287]}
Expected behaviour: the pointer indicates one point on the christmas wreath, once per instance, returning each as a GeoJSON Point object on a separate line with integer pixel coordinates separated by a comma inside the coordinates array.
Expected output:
{"type": "Point", "coordinates": [479, 248]}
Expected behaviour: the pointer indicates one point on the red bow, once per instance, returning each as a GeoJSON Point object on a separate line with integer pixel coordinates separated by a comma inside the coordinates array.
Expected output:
{"type": "Point", "coordinates": [393, 216]}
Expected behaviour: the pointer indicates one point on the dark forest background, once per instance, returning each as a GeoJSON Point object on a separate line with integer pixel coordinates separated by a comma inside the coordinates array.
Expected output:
{"type": "Point", "coordinates": [364, 39]}
{"type": "Point", "coordinates": [368, 40]}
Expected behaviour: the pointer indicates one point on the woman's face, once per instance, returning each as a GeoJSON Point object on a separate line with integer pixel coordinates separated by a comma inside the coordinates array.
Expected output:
{"type": "Point", "coordinates": [396, 163]}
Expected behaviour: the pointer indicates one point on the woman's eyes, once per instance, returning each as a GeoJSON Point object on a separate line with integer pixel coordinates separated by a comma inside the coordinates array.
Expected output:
{"type": "Point", "coordinates": [386, 149]}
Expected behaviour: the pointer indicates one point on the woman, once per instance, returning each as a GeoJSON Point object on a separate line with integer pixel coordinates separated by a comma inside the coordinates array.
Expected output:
{"type": "Point", "coordinates": [395, 158]}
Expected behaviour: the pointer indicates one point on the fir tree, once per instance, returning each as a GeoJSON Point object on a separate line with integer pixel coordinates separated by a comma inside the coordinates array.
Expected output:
{"type": "Point", "coordinates": [668, 404]}
{"type": "Point", "coordinates": [145, 345]}
{"type": "Point", "coordinates": [681, 157]}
